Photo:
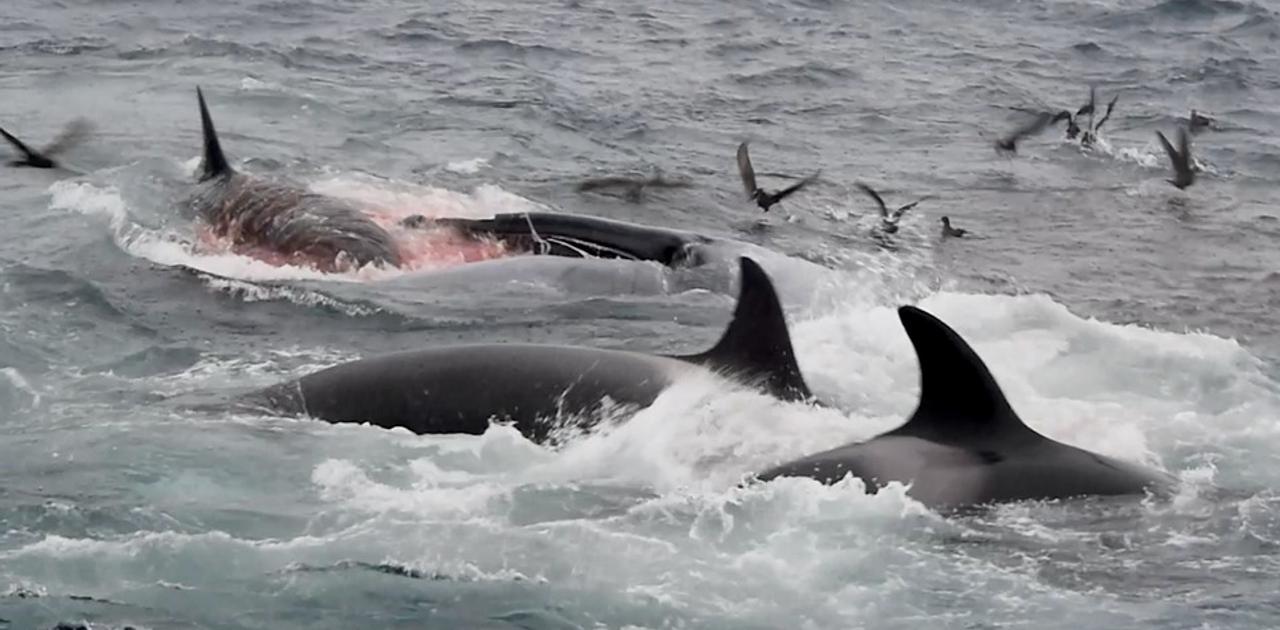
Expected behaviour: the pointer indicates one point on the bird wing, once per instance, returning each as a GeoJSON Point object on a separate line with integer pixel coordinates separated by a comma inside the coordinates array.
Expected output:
{"type": "Point", "coordinates": [1093, 99]}
{"type": "Point", "coordinates": [74, 133]}
{"type": "Point", "coordinates": [785, 192]}
{"type": "Point", "coordinates": [897, 214]}
{"type": "Point", "coordinates": [17, 144]}
{"type": "Point", "coordinates": [1173, 153]}
{"type": "Point", "coordinates": [1087, 108]}
{"type": "Point", "coordinates": [884, 212]}
{"type": "Point", "coordinates": [1184, 149]}
{"type": "Point", "coordinates": [1110, 107]}
{"type": "Point", "coordinates": [1031, 127]}
{"type": "Point", "coordinates": [744, 169]}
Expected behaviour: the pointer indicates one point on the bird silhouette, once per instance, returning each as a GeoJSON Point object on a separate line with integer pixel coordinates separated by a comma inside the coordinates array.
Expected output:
{"type": "Point", "coordinates": [888, 220]}
{"type": "Point", "coordinates": [74, 133]}
{"type": "Point", "coordinates": [948, 231]}
{"type": "Point", "coordinates": [632, 187]}
{"type": "Point", "coordinates": [762, 197]}
{"type": "Point", "coordinates": [1035, 125]}
{"type": "Point", "coordinates": [1183, 175]}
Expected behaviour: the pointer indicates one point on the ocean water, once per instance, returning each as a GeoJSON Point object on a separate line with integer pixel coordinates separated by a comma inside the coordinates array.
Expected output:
{"type": "Point", "coordinates": [1118, 313]}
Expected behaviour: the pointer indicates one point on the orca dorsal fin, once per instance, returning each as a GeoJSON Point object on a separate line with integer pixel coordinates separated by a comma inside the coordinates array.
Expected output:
{"type": "Point", "coordinates": [214, 163]}
{"type": "Point", "coordinates": [959, 399]}
{"type": "Point", "coordinates": [756, 344]}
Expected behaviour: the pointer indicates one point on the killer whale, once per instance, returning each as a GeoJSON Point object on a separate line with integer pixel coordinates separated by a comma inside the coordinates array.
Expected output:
{"type": "Point", "coordinates": [964, 445]}
{"type": "Point", "coordinates": [282, 220]}
{"type": "Point", "coordinates": [460, 389]}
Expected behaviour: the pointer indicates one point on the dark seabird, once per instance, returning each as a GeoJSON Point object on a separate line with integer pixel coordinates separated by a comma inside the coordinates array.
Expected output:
{"type": "Point", "coordinates": [888, 220]}
{"type": "Point", "coordinates": [74, 133]}
{"type": "Point", "coordinates": [633, 187]}
{"type": "Point", "coordinates": [1199, 122]}
{"type": "Point", "coordinates": [762, 197]}
{"type": "Point", "coordinates": [1091, 135]}
{"type": "Point", "coordinates": [1073, 129]}
{"type": "Point", "coordinates": [1087, 108]}
{"type": "Point", "coordinates": [947, 230]}
{"type": "Point", "coordinates": [1183, 175]}
{"type": "Point", "coordinates": [1033, 126]}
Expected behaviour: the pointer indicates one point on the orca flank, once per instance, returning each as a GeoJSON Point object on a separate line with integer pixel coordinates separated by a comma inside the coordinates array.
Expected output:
{"type": "Point", "coordinates": [539, 388]}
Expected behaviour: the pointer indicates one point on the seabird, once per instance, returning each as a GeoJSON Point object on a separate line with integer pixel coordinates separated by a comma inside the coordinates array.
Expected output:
{"type": "Point", "coordinates": [74, 133]}
{"type": "Point", "coordinates": [947, 230]}
{"type": "Point", "coordinates": [1091, 135]}
{"type": "Point", "coordinates": [888, 220]}
{"type": "Point", "coordinates": [1183, 175]}
{"type": "Point", "coordinates": [1073, 129]}
{"type": "Point", "coordinates": [1033, 126]}
{"type": "Point", "coordinates": [1199, 121]}
{"type": "Point", "coordinates": [762, 197]}
{"type": "Point", "coordinates": [633, 187]}
{"type": "Point", "coordinates": [1087, 108]}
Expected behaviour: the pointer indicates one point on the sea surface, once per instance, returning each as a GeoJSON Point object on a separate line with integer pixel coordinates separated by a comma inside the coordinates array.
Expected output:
{"type": "Point", "coordinates": [1120, 314]}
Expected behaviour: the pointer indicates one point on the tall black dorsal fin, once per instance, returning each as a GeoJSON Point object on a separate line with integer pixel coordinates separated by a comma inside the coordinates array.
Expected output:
{"type": "Point", "coordinates": [214, 163]}
{"type": "Point", "coordinates": [959, 399]}
{"type": "Point", "coordinates": [30, 157]}
{"type": "Point", "coordinates": [756, 344]}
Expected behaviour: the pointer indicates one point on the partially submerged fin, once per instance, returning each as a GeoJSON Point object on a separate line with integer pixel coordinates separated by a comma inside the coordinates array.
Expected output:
{"type": "Point", "coordinates": [756, 344]}
{"type": "Point", "coordinates": [214, 163]}
{"type": "Point", "coordinates": [959, 399]}
{"type": "Point", "coordinates": [30, 157]}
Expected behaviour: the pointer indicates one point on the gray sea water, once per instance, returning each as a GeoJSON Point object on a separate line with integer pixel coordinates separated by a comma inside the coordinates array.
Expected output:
{"type": "Point", "coordinates": [1119, 313]}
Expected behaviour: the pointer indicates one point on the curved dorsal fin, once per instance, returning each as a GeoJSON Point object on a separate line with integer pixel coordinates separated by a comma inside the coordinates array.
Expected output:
{"type": "Point", "coordinates": [959, 399]}
{"type": "Point", "coordinates": [214, 163]}
{"type": "Point", "coordinates": [756, 344]}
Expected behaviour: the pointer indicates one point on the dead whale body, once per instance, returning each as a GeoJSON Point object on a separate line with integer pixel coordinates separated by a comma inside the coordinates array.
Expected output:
{"type": "Point", "coordinates": [461, 389]}
{"type": "Point", "coordinates": [964, 445]}
{"type": "Point", "coordinates": [282, 222]}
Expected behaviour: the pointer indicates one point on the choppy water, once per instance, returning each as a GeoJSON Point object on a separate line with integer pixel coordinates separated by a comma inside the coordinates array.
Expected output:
{"type": "Point", "coordinates": [1119, 314]}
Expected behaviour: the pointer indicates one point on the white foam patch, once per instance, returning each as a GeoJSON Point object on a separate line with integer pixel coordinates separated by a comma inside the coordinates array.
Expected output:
{"type": "Point", "coordinates": [252, 84]}
{"type": "Point", "coordinates": [399, 200]}
{"type": "Point", "coordinates": [17, 383]}
{"type": "Point", "coordinates": [467, 167]}
{"type": "Point", "coordinates": [250, 292]}
{"type": "Point", "coordinates": [435, 492]}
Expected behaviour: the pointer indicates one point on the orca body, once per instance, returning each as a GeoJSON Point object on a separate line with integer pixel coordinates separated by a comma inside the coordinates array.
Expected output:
{"type": "Point", "coordinates": [282, 221]}
{"type": "Point", "coordinates": [461, 389]}
{"type": "Point", "coordinates": [965, 446]}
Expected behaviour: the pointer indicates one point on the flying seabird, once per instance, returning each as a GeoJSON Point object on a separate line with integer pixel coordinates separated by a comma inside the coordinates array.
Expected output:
{"type": "Point", "coordinates": [762, 197]}
{"type": "Point", "coordinates": [74, 133]}
{"type": "Point", "coordinates": [1033, 126]}
{"type": "Point", "coordinates": [888, 220]}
